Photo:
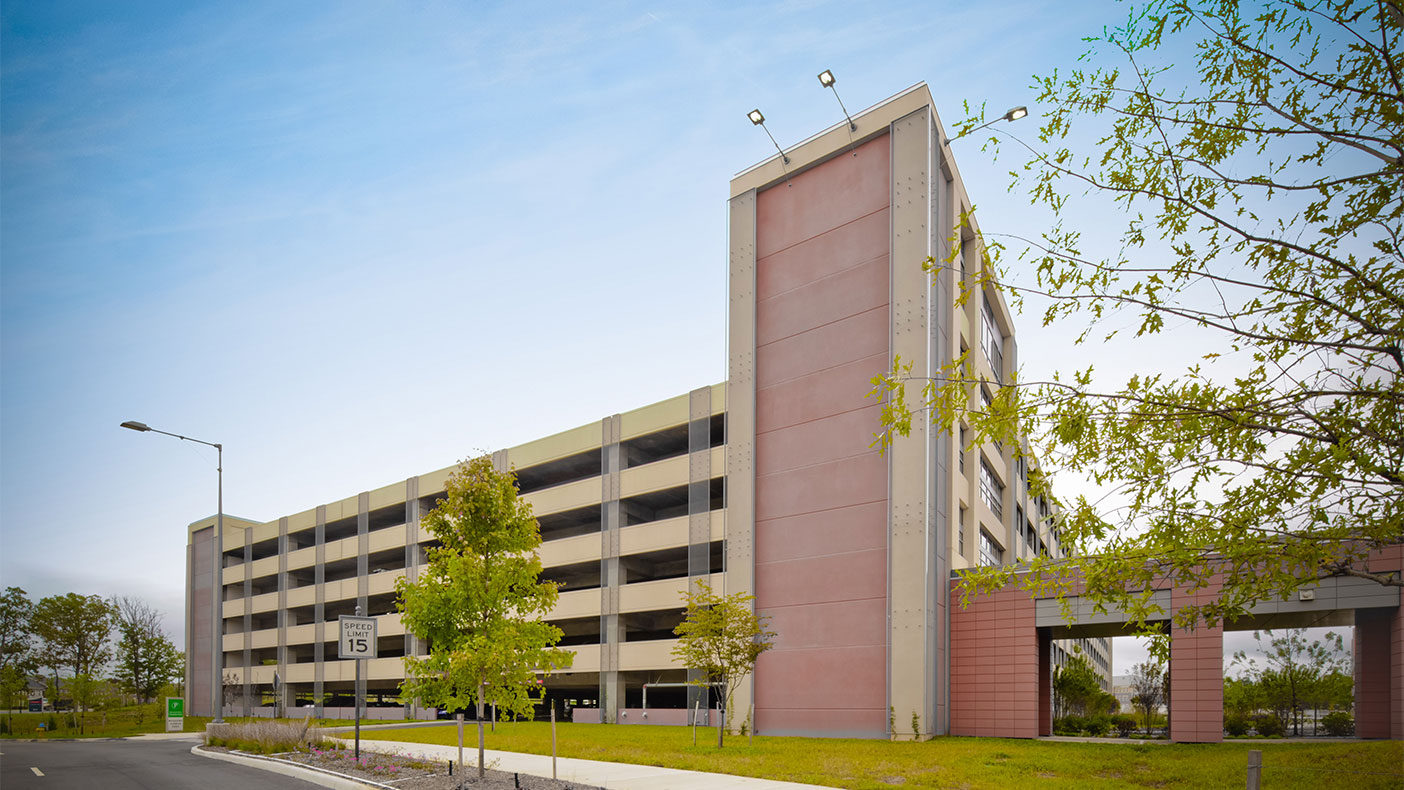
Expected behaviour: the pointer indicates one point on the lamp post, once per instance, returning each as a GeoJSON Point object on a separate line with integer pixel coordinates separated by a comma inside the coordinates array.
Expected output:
{"type": "Point", "coordinates": [1013, 114]}
{"type": "Point", "coordinates": [216, 575]}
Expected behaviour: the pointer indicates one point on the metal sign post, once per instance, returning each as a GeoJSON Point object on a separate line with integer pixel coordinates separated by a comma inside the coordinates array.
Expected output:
{"type": "Point", "coordinates": [175, 714]}
{"type": "Point", "coordinates": [357, 642]}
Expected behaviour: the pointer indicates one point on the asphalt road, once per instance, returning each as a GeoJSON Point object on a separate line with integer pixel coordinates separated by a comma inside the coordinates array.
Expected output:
{"type": "Point", "coordinates": [118, 764]}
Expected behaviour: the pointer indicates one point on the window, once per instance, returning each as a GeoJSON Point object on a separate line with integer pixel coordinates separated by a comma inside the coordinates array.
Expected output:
{"type": "Point", "coordinates": [990, 552]}
{"type": "Point", "coordinates": [964, 443]}
{"type": "Point", "coordinates": [991, 490]}
{"type": "Point", "coordinates": [962, 531]}
{"type": "Point", "coordinates": [992, 341]}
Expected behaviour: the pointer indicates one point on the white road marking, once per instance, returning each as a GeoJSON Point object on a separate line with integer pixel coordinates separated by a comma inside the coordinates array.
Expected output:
{"type": "Point", "coordinates": [36, 771]}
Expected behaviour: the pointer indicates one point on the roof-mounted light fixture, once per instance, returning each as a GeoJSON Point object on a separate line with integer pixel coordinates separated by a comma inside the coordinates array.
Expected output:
{"type": "Point", "coordinates": [1014, 114]}
{"type": "Point", "coordinates": [759, 120]}
{"type": "Point", "coordinates": [826, 78]}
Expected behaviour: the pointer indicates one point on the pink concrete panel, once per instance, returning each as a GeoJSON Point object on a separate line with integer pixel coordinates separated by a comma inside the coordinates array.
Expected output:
{"type": "Point", "coordinates": [837, 531]}
{"type": "Point", "coordinates": [826, 254]}
{"type": "Point", "coordinates": [1374, 672]}
{"type": "Point", "coordinates": [822, 321]}
{"type": "Point", "coordinates": [843, 340]}
{"type": "Point", "coordinates": [818, 441]}
{"type": "Point", "coordinates": [810, 489]}
{"type": "Point", "coordinates": [828, 624]}
{"type": "Point", "coordinates": [855, 290]}
{"type": "Point", "coordinates": [997, 656]}
{"type": "Point", "coordinates": [820, 721]}
{"type": "Point", "coordinates": [828, 677]}
{"type": "Point", "coordinates": [813, 580]}
{"type": "Point", "coordinates": [1196, 675]}
{"type": "Point", "coordinates": [822, 198]}
{"type": "Point", "coordinates": [822, 394]}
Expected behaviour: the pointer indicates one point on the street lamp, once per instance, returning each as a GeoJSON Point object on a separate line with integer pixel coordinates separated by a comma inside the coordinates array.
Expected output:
{"type": "Point", "coordinates": [759, 120]}
{"type": "Point", "coordinates": [826, 78]}
{"type": "Point", "coordinates": [1013, 114]}
{"type": "Point", "coordinates": [216, 575]}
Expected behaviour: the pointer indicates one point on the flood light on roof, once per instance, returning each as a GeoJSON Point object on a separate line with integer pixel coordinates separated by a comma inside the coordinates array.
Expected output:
{"type": "Point", "coordinates": [826, 78]}
{"type": "Point", "coordinates": [756, 117]}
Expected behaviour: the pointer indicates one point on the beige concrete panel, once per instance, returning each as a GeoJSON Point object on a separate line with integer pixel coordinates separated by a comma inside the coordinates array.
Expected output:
{"type": "Point", "coordinates": [334, 671]}
{"type": "Point", "coordinates": [576, 603]}
{"type": "Point", "coordinates": [387, 538]}
{"type": "Point", "coordinates": [718, 524]}
{"type": "Point", "coordinates": [234, 574]}
{"type": "Point", "coordinates": [666, 534]}
{"type": "Point", "coordinates": [261, 674]}
{"type": "Point", "coordinates": [837, 138]}
{"type": "Point", "coordinates": [718, 460]}
{"type": "Point", "coordinates": [654, 417]}
{"type": "Point", "coordinates": [341, 549]}
{"type": "Point", "coordinates": [568, 551]}
{"type": "Point", "coordinates": [267, 637]}
{"type": "Point", "coordinates": [261, 532]}
{"type": "Point", "coordinates": [565, 497]}
{"type": "Point", "coordinates": [267, 602]}
{"type": "Point", "coordinates": [235, 608]}
{"type": "Point", "coordinates": [305, 634]}
{"type": "Point", "coordinates": [382, 669]}
{"type": "Point", "coordinates": [435, 481]}
{"type": "Point", "coordinates": [393, 494]}
{"type": "Point", "coordinates": [739, 399]}
{"type": "Point", "coordinates": [384, 582]}
{"type": "Point", "coordinates": [668, 473]}
{"type": "Point", "coordinates": [302, 673]}
{"type": "Point", "coordinates": [268, 566]}
{"type": "Point", "coordinates": [719, 398]}
{"type": "Point", "coordinates": [340, 590]}
{"type": "Point", "coordinates": [587, 658]}
{"type": "Point", "coordinates": [389, 625]}
{"type": "Point", "coordinates": [307, 519]}
{"type": "Point", "coordinates": [232, 642]}
{"type": "Point", "coordinates": [302, 558]}
{"type": "Point", "coordinates": [661, 594]}
{"type": "Point", "coordinates": [559, 445]}
{"type": "Point", "coordinates": [302, 596]}
{"type": "Point", "coordinates": [653, 654]}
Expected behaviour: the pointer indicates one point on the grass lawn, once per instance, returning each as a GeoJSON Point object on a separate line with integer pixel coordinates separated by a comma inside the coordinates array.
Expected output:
{"type": "Point", "coordinates": [950, 762]}
{"type": "Point", "coordinates": [117, 723]}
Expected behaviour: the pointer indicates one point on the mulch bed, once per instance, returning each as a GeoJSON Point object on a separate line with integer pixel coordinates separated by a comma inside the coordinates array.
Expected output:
{"type": "Point", "coordinates": [419, 773]}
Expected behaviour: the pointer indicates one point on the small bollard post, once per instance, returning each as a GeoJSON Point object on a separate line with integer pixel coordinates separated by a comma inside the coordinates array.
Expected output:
{"type": "Point", "coordinates": [460, 738]}
{"type": "Point", "coordinates": [1255, 769]}
{"type": "Point", "coordinates": [553, 740]}
{"type": "Point", "coordinates": [751, 731]}
{"type": "Point", "coordinates": [696, 707]}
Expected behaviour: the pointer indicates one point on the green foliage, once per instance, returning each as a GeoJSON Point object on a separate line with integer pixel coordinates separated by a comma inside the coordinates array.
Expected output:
{"type": "Point", "coordinates": [1148, 691]}
{"type": "Point", "coordinates": [17, 658]}
{"type": "Point", "coordinates": [1296, 674]}
{"type": "Point", "coordinates": [1072, 724]}
{"type": "Point", "coordinates": [1338, 723]}
{"type": "Point", "coordinates": [1076, 686]}
{"type": "Point", "coordinates": [1124, 724]}
{"type": "Point", "coordinates": [1236, 724]}
{"type": "Point", "coordinates": [73, 630]}
{"type": "Point", "coordinates": [146, 658]}
{"type": "Point", "coordinates": [916, 725]}
{"type": "Point", "coordinates": [479, 601]}
{"type": "Point", "coordinates": [1261, 192]}
{"type": "Point", "coordinates": [721, 637]}
{"type": "Point", "coordinates": [1268, 725]}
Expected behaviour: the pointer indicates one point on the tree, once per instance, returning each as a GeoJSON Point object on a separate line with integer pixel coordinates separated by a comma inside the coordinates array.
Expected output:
{"type": "Point", "coordinates": [1263, 219]}
{"type": "Point", "coordinates": [146, 657]}
{"type": "Point", "coordinates": [479, 601]}
{"type": "Point", "coordinates": [1295, 672]}
{"type": "Point", "coordinates": [1147, 690]}
{"type": "Point", "coordinates": [720, 637]}
{"type": "Point", "coordinates": [74, 630]}
{"type": "Point", "coordinates": [1075, 687]}
{"type": "Point", "coordinates": [17, 659]}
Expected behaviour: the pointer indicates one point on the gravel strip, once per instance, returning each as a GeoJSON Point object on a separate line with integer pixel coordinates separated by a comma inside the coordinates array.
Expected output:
{"type": "Point", "coordinates": [418, 773]}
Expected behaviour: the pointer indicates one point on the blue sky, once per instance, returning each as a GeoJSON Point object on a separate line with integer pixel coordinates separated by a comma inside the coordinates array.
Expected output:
{"type": "Point", "coordinates": [360, 241]}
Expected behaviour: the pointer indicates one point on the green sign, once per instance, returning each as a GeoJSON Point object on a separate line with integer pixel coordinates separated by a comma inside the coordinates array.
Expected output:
{"type": "Point", "coordinates": [175, 714]}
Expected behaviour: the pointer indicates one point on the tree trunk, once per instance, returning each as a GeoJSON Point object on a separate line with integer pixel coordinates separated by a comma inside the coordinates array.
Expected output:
{"type": "Point", "coordinates": [480, 734]}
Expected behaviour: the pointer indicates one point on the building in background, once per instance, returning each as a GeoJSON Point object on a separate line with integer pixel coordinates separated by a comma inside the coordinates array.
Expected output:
{"type": "Point", "coordinates": [769, 483]}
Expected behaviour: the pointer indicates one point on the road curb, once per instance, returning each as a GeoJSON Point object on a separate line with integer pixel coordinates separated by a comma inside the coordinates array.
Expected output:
{"type": "Point", "coordinates": [308, 773]}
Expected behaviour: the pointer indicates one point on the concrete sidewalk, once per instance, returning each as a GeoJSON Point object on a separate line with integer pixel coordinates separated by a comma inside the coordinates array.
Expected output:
{"type": "Point", "coordinates": [615, 776]}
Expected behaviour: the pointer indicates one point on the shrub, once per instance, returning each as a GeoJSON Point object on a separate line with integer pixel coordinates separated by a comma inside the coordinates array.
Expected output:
{"type": "Point", "coordinates": [1268, 725]}
{"type": "Point", "coordinates": [1097, 726]}
{"type": "Point", "coordinates": [1068, 725]}
{"type": "Point", "coordinates": [265, 737]}
{"type": "Point", "coordinates": [1236, 724]}
{"type": "Point", "coordinates": [1124, 723]}
{"type": "Point", "coordinates": [1338, 722]}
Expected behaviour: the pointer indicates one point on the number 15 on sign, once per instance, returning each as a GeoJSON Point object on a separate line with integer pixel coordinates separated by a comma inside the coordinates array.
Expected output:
{"type": "Point", "coordinates": [357, 637]}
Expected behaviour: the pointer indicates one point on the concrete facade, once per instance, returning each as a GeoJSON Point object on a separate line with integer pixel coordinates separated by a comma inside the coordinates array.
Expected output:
{"type": "Point", "coordinates": [768, 484]}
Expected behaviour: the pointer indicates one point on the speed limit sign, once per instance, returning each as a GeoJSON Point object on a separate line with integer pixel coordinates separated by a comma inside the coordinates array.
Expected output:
{"type": "Point", "coordinates": [357, 637]}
